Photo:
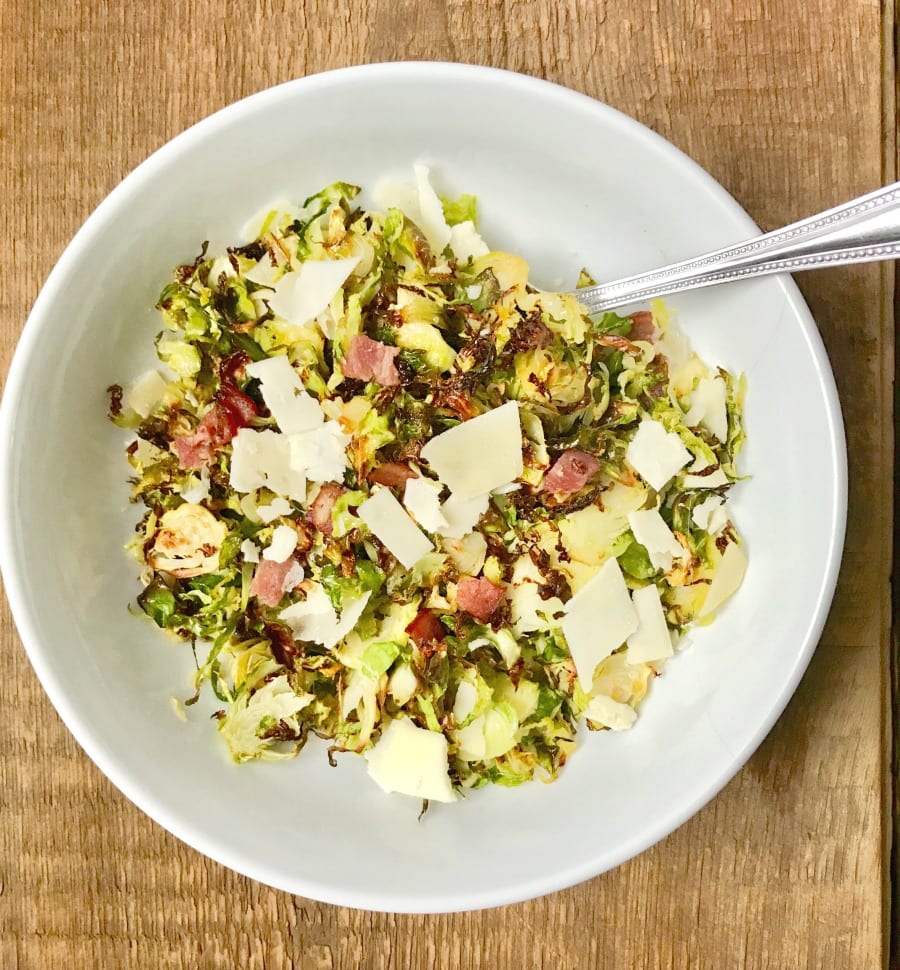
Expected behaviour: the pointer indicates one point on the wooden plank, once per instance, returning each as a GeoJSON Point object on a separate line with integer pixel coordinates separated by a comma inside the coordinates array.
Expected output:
{"type": "Point", "coordinates": [789, 105]}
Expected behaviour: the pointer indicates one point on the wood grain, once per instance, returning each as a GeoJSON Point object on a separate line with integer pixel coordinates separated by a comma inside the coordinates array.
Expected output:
{"type": "Point", "coordinates": [790, 106]}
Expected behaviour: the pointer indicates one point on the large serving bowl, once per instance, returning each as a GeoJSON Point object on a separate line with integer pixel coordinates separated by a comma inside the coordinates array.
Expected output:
{"type": "Point", "coordinates": [566, 182]}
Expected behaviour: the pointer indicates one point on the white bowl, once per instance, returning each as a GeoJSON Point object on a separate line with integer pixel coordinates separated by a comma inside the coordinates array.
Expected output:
{"type": "Point", "coordinates": [563, 180]}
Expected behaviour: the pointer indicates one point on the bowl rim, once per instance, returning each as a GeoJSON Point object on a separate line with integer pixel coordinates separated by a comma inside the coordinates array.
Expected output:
{"type": "Point", "coordinates": [15, 586]}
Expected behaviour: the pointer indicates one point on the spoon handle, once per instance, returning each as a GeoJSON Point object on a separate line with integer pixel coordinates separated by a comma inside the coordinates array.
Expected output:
{"type": "Point", "coordinates": [864, 230]}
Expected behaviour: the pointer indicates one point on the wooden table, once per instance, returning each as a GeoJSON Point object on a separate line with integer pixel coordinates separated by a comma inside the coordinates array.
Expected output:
{"type": "Point", "coordinates": [791, 106]}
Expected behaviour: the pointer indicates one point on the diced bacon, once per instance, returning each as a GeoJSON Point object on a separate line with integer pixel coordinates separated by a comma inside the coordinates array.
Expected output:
{"type": "Point", "coordinates": [642, 327]}
{"type": "Point", "coordinates": [570, 472]}
{"type": "Point", "coordinates": [370, 360]}
{"type": "Point", "coordinates": [425, 628]}
{"type": "Point", "coordinates": [273, 579]}
{"type": "Point", "coordinates": [394, 474]}
{"type": "Point", "coordinates": [240, 406]}
{"type": "Point", "coordinates": [478, 597]}
{"type": "Point", "coordinates": [231, 411]}
{"type": "Point", "coordinates": [320, 510]}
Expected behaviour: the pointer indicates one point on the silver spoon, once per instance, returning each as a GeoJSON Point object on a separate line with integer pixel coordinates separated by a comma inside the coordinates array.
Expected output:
{"type": "Point", "coordinates": [862, 231]}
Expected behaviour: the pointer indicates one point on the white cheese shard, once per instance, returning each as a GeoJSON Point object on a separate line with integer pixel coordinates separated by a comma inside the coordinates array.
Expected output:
{"type": "Point", "coordinates": [390, 522]}
{"type": "Point", "coordinates": [316, 619]}
{"type": "Point", "coordinates": [656, 454]}
{"type": "Point", "coordinates": [715, 479]}
{"type": "Point", "coordinates": [284, 542]}
{"type": "Point", "coordinates": [462, 515]}
{"type": "Point", "coordinates": [250, 551]}
{"type": "Point", "coordinates": [413, 761]}
{"type": "Point", "coordinates": [263, 459]}
{"type": "Point", "coordinates": [320, 455]}
{"type": "Point", "coordinates": [480, 454]}
{"type": "Point", "coordinates": [727, 579]}
{"type": "Point", "coordinates": [466, 242]}
{"type": "Point", "coordinates": [145, 393]}
{"type": "Point", "coordinates": [608, 713]}
{"type": "Point", "coordinates": [300, 297]}
{"type": "Point", "coordinates": [277, 507]}
{"type": "Point", "coordinates": [711, 515]}
{"type": "Point", "coordinates": [422, 498]}
{"type": "Point", "coordinates": [708, 407]}
{"type": "Point", "coordinates": [292, 407]}
{"type": "Point", "coordinates": [431, 212]}
{"type": "Point", "coordinates": [293, 577]}
{"type": "Point", "coordinates": [651, 640]}
{"type": "Point", "coordinates": [529, 611]}
{"type": "Point", "coordinates": [390, 194]}
{"type": "Point", "coordinates": [598, 620]}
{"type": "Point", "coordinates": [656, 537]}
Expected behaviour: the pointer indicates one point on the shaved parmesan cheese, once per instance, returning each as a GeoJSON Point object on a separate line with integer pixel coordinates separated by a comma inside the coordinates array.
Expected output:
{"type": "Point", "coordinates": [656, 454]}
{"type": "Point", "coordinates": [656, 537]}
{"type": "Point", "coordinates": [422, 498]}
{"type": "Point", "coordinates": [263, 459]}
{"type": "Point", "coordinates": [598, 620]}
{"type": "Point", "coordinates": [250, 551]}
{"type": "Point", "coordinates": [727, 579]}
{"type": "Point", "coordinates": [398, 195]}
{"type": "Point", "coordinates": [711, 515]}
{"type": "Point", "coordinates": [411, 761]}
{"type": "Point", "coordinates": [145, 393]}
{"type": "Point", "coordinates": [277, 507]}
{"type": "Point", "coordinates": [467, 243]}
{"type": "Point", "coordinates": [389, 521]}
{"type": "Point", "coordinates": [716, 479]}
{"type": "Point", "coordinates": [431, 212]}
{"type": "Point", "coordinates": [315, 618]}
{"type": "Point", "coordinates": [651, 640]}
{"type": "Point", "coordinates": [708, 407]}
{"type": "Point", "coordinates": [284, 541]}
{"type": "Point", "coordinates": [480, 454]}
{"type": "Point", "coordinates": [608, 713]}
{"type": "Point", "coordinates": [462, 515]}
{"type": "Point", "coordinates": [293, 408]}
{"type": "Point", "coordinates": [293, 577]}
{"type": "Point", "coordinates": [320, 455]}
{"type": "Point", "coordinates": [301, 296]}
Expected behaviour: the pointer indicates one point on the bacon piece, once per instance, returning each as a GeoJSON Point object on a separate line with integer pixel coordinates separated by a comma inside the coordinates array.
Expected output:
{"type": "Point", "coordinates": [570, 472]}
{"type": "Point", "coordinates": [425, 628]}
{"type": "Point", "coordinates": [240, 407]}
{"type": "Point", "coordinates": [232, 410]}
{"type": "Point", "coordinates": [642, 327]}
{"type": "Point", "coordinates": [478, 597]}
{"type": "Point", "coordinates": [370, 360]}
{"type": "Point", "coordinates": [272, 580]}
{"type": "Point", "coordinates": [320, 510]}
{"type": "Point", "coordinates": [394, 474]}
